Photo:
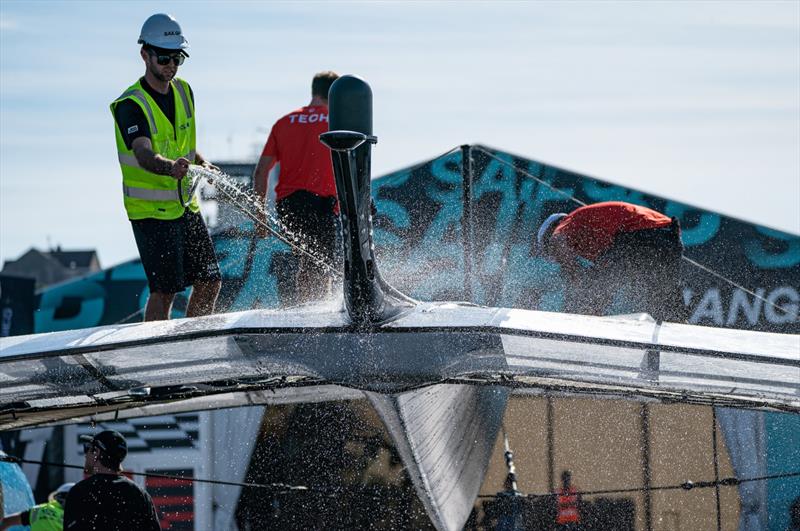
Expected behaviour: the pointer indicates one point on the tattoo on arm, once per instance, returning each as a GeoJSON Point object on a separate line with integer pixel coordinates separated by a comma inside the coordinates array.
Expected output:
{"type": "Point", "coordinates": [149, 159]}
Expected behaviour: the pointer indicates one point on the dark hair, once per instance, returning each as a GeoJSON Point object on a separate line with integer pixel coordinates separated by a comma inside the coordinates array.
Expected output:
{"type": "Point", "coordinates": [108, 461]}
{"type": "Point", "coordinates": [322, 82]}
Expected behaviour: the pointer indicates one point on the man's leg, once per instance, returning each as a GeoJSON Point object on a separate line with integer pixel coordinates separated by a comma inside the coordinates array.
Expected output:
{"type": "Point", "coordinates": [158, 307]}
{"type": "Point", "coordinates": [203, 298]}
{"type": "Point", "coordinates": [201, 266]}
{"type": "Point", "coordinates": [288, 209]}
{"type": "Point", "coordinates": [669, 287]}
{"type": "Point", "coordinates": [655, 266]}
{"type": "Point", "coordinates": [311, 218]}
{"type": "Point", "coordinates": [162, 261]}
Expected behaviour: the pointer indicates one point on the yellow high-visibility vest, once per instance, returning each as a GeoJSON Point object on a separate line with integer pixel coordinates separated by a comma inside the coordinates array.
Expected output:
{"type": "Point", "coordinates": [47, 517]}
{"type": "Point", "coordinates": [147, 194]}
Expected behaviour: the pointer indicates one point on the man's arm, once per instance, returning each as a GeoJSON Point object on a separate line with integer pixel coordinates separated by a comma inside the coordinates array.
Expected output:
{"type": "Point", "coordinates": [155, 163]}
{"type": "Point", "coordinates": [11, 520]}
{"type": "Point", "coordinates": [260, 182]}
{"type": "Point", "coordinates": [261, 176]}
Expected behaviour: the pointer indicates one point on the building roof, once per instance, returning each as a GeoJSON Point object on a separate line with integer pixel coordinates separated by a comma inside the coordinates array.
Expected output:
{"type": "Point", "coordinates": [54, 266]}
{"type": "Point", "coordinates": [75, 259]}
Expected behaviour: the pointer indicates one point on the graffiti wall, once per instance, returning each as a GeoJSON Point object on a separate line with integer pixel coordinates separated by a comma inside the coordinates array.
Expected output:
{"type": "Point", "coordinates": [445, 234]}
{"type": "Point", "coordinates": [427, 242]}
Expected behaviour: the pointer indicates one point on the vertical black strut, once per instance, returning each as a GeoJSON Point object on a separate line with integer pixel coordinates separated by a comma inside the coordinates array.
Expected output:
{"type": "Point", "coordinates": [367, 297]}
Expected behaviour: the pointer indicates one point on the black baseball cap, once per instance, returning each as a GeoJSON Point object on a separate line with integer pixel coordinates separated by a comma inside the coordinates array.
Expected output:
{"type": "Point", "coordinates": [111, 442]}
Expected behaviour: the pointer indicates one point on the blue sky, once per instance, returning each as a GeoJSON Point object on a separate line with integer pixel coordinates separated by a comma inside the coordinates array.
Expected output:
{"type": "Point", "coordinates": [695, 101]}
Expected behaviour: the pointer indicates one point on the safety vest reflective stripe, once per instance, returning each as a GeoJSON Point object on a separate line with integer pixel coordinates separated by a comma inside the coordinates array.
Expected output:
{"type": "Point", "coordinates": [139, 96]}
{"type": "Point", "coordinates": [150, 195]}
{"type": "Point", "coordinates": [130, 160]}
{"type": "Point", "coordinates": [184, 99]}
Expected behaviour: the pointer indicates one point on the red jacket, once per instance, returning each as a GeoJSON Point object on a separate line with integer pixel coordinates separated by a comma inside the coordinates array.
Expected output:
{"type": "Point", "coordinates": [590, 230]}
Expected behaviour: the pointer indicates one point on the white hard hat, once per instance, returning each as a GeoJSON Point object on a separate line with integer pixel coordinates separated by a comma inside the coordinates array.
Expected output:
{"type": "Point", "coordinates": [163, 31]}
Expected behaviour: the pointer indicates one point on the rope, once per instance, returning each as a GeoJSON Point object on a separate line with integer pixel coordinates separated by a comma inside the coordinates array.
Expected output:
{"type": "Point", "coordinates": [274, 488]}
{"type": "Point", "coordinates": [686, 485]}
{"type": "Point", "coordinates": [279, 487]}
{"type": "Point", "coordinates": [285, 488]}
{"type": "Point", "coordinates": [535, 178]}
{"type": "Point", "coordinates": [581, 203]}
{"type": "Point", "coordinates": [734, 284]}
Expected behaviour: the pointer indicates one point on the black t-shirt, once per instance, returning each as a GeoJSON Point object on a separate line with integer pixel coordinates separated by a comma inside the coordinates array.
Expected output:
{"type": "Point", "coordinates": [131, 119]}
{"type": "Point", "coordinates": [109, 503]}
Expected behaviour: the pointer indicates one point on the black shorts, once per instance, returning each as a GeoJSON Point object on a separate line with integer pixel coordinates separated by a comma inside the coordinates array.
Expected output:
{"type": "Point", "coordinates": [648, 262]}
{"type": "Point", "coordinates": [311, 218]}
{"type": "Point", "coordinates": [176, 253]}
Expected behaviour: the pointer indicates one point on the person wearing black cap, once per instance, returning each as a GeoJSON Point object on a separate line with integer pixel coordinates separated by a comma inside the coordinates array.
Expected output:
{"type": "Point", "coordinates": [107, 500]}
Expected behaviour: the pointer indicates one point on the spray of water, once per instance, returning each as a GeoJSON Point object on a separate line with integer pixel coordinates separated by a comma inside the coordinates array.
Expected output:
{"type": "Point", "coordinates": [250, 205]}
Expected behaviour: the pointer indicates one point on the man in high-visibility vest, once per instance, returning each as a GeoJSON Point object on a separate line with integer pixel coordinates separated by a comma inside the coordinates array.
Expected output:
{"type": "Point", "coordinates": [156, 143]}
{"type": "Point", "coordinates": [45, 517]}
{"type": "Point", "coordinates": [568, 514]}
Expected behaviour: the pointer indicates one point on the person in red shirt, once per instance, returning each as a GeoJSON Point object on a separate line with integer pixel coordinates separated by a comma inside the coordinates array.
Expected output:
{"type": "Point", "coordinates": [568, 501]}
{"type": "Point", "coordinates": [608, 248]}
{"type": "Point", "coordinates": [305, 195]}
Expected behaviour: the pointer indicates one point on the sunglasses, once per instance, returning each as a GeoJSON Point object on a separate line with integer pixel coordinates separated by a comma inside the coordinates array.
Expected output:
{"type": "Point", "coordinates": [163, 60]}
{"type": "Point", "coordinates": [87, 447]}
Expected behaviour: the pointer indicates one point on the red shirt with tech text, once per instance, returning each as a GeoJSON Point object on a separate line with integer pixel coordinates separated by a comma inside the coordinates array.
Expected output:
{"type": "Point", "coordinates": [590, 230]}
{"type": "Point", "coordinates": [305, 161]}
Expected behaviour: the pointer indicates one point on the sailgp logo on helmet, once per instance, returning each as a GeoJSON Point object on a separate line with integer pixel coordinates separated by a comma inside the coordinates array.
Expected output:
{"type": "Point", "coordinates": [163, 31]}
